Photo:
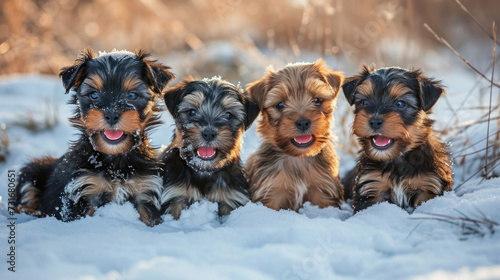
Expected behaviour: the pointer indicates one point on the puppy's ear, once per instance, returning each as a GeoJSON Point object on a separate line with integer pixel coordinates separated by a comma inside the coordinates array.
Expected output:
{"type": "Point", "coordinates": [430, 92]}
{"type": "Point", "coordinates": [72, 76]}
{"type": "Point", "coordinates": [157, 74]}
{"type": "Point", "coordinates": [252, 110]}
{"type": "Point", "coordinates": [258, 89]}
{"type": "Point", "coordinates": [333, 78]}
{"type": "Point", "coordinates": [348, 88]}
{"type": "Point", "coordinates": [430, 89]}
{"type": "Point", "coordinates": [351, 83]}
{"type": "Point", "coordinates": [173, 96]}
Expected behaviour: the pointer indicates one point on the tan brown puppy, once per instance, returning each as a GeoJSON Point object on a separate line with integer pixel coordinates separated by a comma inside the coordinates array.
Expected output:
{"type": "Point", "coordinates": [296, 161]}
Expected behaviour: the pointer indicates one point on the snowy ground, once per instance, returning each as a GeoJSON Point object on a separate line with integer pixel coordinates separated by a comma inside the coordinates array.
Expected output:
{"type": "Point", "coordinates": [254, 242]}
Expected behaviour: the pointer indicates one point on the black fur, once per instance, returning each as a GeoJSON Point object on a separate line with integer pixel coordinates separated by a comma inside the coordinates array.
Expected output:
{"type": "Point", "coordinates": [181, 170]}
{"type": "Point", "coordinates": [51, 178]}
{"type": "Point", "coordinates": [428, 159]}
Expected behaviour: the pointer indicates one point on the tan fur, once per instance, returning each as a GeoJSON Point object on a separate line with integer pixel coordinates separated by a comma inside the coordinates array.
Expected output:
{"type": "Point", "coordinates": [131, 82]}
{"type": "Point", "coordinates": [184, 196]}
{"type": "Point", "coordinates": [129, 123]}
{"type": "Point", "coordinates": [29, 201]}
{"type": "Point", "coordinates": [291, 181]}
{"type": "Point", "coordinates": [397, 91]}
{"type": "Point", "coordinates": [120, 190]}
{"type": "Point", "coordinates": [195, 99]}
{"type": "Point", "coordinates": [366, 88]}
{"type": "Point", "coordinates": [393, 128]}
{"type": "Point", "coordinates": [295, 175]}
{"type": "Point", "coordinates": [421, 188]}
{"type": "Point", "coordinates": [95, 81]}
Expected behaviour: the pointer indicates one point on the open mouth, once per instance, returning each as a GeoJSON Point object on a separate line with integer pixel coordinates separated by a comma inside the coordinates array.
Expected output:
{"type": "Point", "coordinates": [206, 153]}
{"type": "Point", "coordinates": [113, 136]}
{"type": "Point", "coordinates": [382, 143]}
{"type": "Point", "coordinates": [303, 141]}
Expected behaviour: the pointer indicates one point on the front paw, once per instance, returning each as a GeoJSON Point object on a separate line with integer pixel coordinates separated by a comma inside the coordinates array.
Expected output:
{"type": "Point", "coordinates": [151, 217]}
{"type": "Point", "coordinates": [152, 220]}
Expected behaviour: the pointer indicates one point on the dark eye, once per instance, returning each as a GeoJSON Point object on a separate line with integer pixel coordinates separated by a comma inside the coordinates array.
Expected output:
{"type": "Point", "coordinates": [93, 95]}
{"type": "Point", "coordinates": [132, 96]}
{"type": "Point", "coordinates": [317, 101]}
{"type": "Point", "coordinates": [400, 104]}
{"type": "Point", "coordinates": [280, 105]}
{"type": "Point", "coordinates": [192, 112]}
{"type": "Point", "coordinates": [364, 103]}
{"type": "Point", "coordinates": [228, 116]}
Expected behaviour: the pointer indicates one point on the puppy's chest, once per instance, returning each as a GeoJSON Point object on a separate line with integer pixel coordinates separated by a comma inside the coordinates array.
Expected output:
{"type": "Point", "coordinates": [118, 190]}
{"type": "Point", "coordinates": [403, 190]}
{"type": "Point", "coordinates": [299, 173]}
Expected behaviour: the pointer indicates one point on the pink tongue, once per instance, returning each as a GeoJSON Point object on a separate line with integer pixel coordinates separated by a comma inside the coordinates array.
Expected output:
{"type": "Point", "coordinates": [381, 141]}
{"type": "Point", "coordinates": [303, 139]}
{"type": "Point", "coordinates": [113, 134]}
{"type": "Point", "coordinates": [206, 152]}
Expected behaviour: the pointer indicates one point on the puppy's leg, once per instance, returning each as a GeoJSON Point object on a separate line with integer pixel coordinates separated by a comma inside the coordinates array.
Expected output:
{"type": "Point", "coordinates": [176, 198]}
{"type": "Point", "coordinates": [149, 208]}
{"type": "Point", "coordinates": [422, 187]}
{"type": "Point", "coordinates": [326, 195]}
{"type": "Point", "coordinates": [278, 191]}
{"type": "Point", "coordinates": [370, 189]}
{"type": "Point", "coordinates": [32, 183]}
{"type": "Point", "coordinates": [228, 199]}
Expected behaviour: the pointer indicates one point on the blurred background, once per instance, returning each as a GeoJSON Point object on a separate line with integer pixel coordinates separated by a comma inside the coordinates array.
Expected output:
{"type": "Point", "coordinates": [238, 39]}
{"type": "Point", "coordinates": [41, 36]}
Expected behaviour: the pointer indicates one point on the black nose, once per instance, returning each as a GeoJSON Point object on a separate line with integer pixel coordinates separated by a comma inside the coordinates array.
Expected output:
{"type": "Point", "coordinates": [376, 122]}
{"type": "Point", "coordinates": [303, 124]}
{"type": "Point", "coordinates": [209, 134]}
{"type": "Point", "coordinates": [112, 117]}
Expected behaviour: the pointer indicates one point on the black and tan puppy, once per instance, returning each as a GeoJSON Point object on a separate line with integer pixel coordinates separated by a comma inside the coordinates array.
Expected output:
{"type": "Point", "coordinates": [115, 95]}
{"type": "Point", "coordinates": [203, 160]}
{"type": "Point", "coordinates": [296, 161]}
{"type": "Point", "coordinates": [401, 161]}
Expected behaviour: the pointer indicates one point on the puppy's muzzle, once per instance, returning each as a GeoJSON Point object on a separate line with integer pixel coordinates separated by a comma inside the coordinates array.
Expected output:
{"type": "Point", "coordinates": [112, 117]}
{"type": "Point", "coordinates": [209, 134]}
{"type": "Point", "coordinates": [303, 124]}
{"type": "Point", "coordinates": [376, 123]}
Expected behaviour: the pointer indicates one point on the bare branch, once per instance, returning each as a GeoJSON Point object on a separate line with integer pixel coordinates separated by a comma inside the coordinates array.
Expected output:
{"type": "Point", "coordinates": [442, 40]}
{"type": "Point", "coordinates": [477, 22]}
{"type": "Point", "coordinates": [494, 28]}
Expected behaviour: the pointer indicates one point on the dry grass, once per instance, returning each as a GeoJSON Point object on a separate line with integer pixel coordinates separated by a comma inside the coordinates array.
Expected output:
{"type": "Point", "coordinates": [473, 153]}
{"type": "Point", "coordinates": [44, 35]}
{"type": "Point", "coordinates": [45, 120]}
{"type": "Point", "coordinates": [470, 226]}
{"type": "Point", "coordinates": [4, 143]}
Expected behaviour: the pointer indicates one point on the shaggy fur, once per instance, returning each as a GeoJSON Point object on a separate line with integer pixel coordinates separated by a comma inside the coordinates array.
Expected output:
{"type": "Point", "coordinates": [203, 160]}
{"type": "Point", "coordinates": [115, 95]}
{"type": "Point", "coordinates": [401, 161]}
{"type": "Point", "coordinates": [296, 161]}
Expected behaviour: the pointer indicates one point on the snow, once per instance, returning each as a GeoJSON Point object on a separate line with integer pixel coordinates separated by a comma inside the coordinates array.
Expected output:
{"type": "Point", "coordinates": [254, 242]}
{"type": "Point", "coordinates": [117, 53]}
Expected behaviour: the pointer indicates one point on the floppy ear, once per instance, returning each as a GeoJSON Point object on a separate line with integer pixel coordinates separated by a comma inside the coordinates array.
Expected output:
{"type": "Point", "coordinates": [258, 89]}
{"type": "Point", "coordinates": [332, 78]}
{"type": "Point", "coordinates": [252, 110]}
{"type": "Point", "coordinates": [158, 75]}
{"type": "Point", "coordinates": [72, 76]}
{"type": "Point", "coordinates": [348, 88]}
{"type": "Point", "coordinates": [174, 95]}
{"type": "Point", "coordinates": [430, 91]}
{"type": "Point", "coordinates": [351, 83]}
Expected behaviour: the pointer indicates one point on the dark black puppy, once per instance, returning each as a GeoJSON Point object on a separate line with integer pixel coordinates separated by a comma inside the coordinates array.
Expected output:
{"type": "Point", "coordinates": [116, 104]}
{"type": "Point", "coordinates": [402, 161]}
{"type": "Point", "coordinates": [203, 160]}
